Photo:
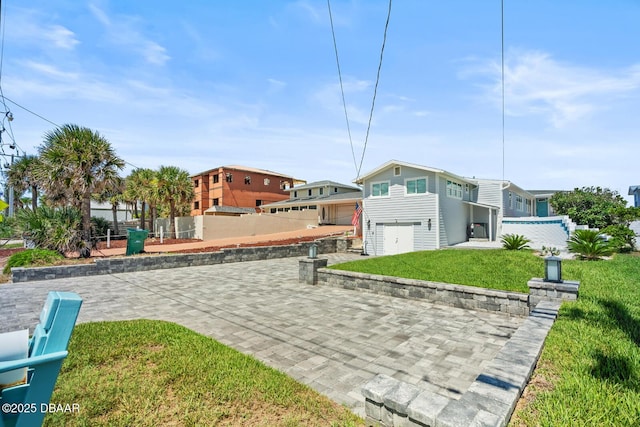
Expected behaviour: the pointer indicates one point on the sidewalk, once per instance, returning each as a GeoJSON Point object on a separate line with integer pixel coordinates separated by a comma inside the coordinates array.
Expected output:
{"type": "Point", "coordinates": [323, 231]}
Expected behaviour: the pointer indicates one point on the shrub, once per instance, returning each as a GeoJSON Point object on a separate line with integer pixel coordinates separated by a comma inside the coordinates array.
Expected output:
{"type": "Point", "coordinates": [514, 242]}
{"type": "Point", "coordinates": [31, 257]}
{"type": "Point", "coordinates": [99, 226]}
{"type": "Point", "coordinates": [623, 239]}
{"type": "Point", "coordinates": [589, 244]}
{"type": "Point", "coordinates": [57, 229]}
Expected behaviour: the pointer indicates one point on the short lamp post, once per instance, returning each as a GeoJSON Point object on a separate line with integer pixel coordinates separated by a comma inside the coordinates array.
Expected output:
{"type": "Point", "coordinates": [313, 251]}
{"type": "Point", "coordinates": [553, 269]}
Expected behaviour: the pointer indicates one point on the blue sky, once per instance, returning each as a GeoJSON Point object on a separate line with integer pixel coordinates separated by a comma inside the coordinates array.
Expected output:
{"type": "Point", "coordinates": [200, 84]}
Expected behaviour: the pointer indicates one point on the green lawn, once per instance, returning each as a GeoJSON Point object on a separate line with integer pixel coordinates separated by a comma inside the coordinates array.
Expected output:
{"type": "Point", "coordinates": [154, 373]}
{"type": "Point", "coordinates": [589, 371]}
{"type": "Point", "coordinates": [491, 268]}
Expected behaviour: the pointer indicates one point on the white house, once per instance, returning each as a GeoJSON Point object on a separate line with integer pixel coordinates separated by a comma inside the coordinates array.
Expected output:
{"type": "Point", "coordinates": [334, 202]}
{"type": "Point", "coordinates": [409, 207]}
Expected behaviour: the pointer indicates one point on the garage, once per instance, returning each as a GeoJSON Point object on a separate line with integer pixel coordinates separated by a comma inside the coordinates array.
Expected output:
{"type": "Point", "coordinates": [397, 238]}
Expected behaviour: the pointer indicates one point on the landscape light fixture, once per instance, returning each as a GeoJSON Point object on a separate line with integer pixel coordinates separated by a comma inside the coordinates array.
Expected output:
{"type": "Point", "coordinates": [553, 269]}
{"type": "Point", "coordinates": [313, 251]}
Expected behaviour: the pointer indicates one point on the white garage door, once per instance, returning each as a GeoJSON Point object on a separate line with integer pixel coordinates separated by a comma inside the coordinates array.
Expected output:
{"type": "Point", "coordinates": [398, 238]}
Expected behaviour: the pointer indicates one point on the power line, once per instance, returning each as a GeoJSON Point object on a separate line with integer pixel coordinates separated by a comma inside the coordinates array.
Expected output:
{"type": "Point", "coordinates": [375, 89]}
{"type": "Point", "coordinates": [344, 102]}
{"type": "Point", "coordinates": [502, 58]}
{"type": "Point", "coordinates": [29, 111]}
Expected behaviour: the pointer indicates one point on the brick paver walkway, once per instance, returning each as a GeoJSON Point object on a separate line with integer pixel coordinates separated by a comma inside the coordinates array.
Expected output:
{"type": "Point", "coordinates": [332, 339]}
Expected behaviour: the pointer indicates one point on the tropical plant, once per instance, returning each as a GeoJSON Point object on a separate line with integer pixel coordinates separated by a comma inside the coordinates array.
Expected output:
{"type": "Point", "coordinates": [623, 239]}
{"type": "Point", "coordinates": [21, 177]}
{"type": "Point", "coordinates": [74, 163]}
{"type": "Point", "coordinates": [175, 189]}
{"type": "Point", "coordinates": [57, 229]}
{"type": "Point", "coordinates": [31, 257]}
{"type": "Point", "coordinates": [589, 244]}
{"type": "Point", "coordinates": [99, 226]}
{"type": "Point", "coordinates": [141, 186]}
{"type": "Point", "coordinates": [514, 242]}
{"type": "Point", "coordinates": [112, 192]}
{"type": "Point", "coordinates": [594, 206]}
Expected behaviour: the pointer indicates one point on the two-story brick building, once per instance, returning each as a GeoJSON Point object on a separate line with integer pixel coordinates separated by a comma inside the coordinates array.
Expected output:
{"type": "Point", "coordinates": [238, 187]}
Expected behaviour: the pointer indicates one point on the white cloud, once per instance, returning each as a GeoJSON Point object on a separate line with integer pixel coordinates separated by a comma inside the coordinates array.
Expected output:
{"type": "Point", "coordinates": [537, 84]}
{"type": "Point", "coordinates": [123, 32]}
{"type": "Point", "coordinates": [51, 71]}
{"type": "Point", "coordinates": [30, 27]}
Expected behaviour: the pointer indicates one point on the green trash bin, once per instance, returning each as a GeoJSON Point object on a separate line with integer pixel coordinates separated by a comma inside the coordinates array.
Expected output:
{"type": "Point", "coordinates": [135, 240]}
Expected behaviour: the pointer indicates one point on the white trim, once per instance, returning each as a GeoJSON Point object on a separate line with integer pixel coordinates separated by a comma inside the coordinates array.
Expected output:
{"type": "Point", "coordinates": [426, 186]}
{"type": "Point", "coordinates": [381, 196]}
{"type": "Point", "coordinates": [436, 223]}
{"type": "Point", "coordinates": [457, 193]}
{"type": "Point", "coordinates": [399, 169]}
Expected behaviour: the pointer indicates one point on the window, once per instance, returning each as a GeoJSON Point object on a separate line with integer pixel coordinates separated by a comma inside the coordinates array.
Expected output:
{"type": "Point", "coordinates": [258, 202]}
{"type": "Point", "coordinates": [321, 191]}
{"type": "Point", "coordinates": [396, 171]}
{"type": "Point", "coordinates": [196, 205]}
{"type": "Point", "coordinates": [295, 194]}
{"type": "Point", "coordinates": [416, 186]}
{"type": "Point", "coordinates": [518, 202]}
{"type": "Point", "coordinates": [454, 189]}
{"type": "Point", "coordinates": [229, 177]}
{"type": "Point", "coordinates": [273, 210]}
{"type": "Point", "coordinates": [380, 189]}
{"type": "Point", "coordinates": [216, 202]}
{"type": "Point", "coordinates": [267, 181]}
{"type": "Point", "coordinates": [335, 189]}
{"type": "Point", "coordinates": [510, 200]}
{"type": "Point", "coordinates": [529, 204]}
{"type": "Point", "coordinates": [247, 179]}
{"type": "Point", "coordinates": [466, 188]}
{"type": "Point", "coordinates": [216, 178]}
{"type": "Point", "coordinates": [196, 183]}
{"type": "Point", "coordinates": [313, 207]}
{"type": "Point", "coordinates": [309, 192]}
{"type": "Point", "coordinates": [295, 208]}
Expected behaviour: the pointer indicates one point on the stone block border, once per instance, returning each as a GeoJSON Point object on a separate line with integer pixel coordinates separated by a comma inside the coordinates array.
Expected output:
{"type": "Point", "coordinates": [156, 262]}
{"type": "Point", "coordinates": [461, 296]}
{"type": "Point", "coordinates": [467, 297]}
{"type": "Point", "coordinates": [489, 401]}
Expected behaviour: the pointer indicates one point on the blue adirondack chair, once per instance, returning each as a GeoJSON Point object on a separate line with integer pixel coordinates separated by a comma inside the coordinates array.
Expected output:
{"type": "Point", "coordinates": [47, 350]}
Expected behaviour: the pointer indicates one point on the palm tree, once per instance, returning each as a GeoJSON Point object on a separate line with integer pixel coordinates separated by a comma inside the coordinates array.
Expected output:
{"type": "Point", "coordinates": [175, 189]}
{"type": "Point", "coordinates": [74, 163]}
{"type": "Point", "coordinates": [21, 177]}
{"type": "Point", "coordinates": [111, 192]}
{"type": "Point", "coordinates": [140, 187]}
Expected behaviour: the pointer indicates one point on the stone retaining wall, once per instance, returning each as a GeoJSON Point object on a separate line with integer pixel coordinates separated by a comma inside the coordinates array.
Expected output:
{"type": "Point", "coordinates": [156, 262]}
{"type": "Point", "coordinates": [468, 297]}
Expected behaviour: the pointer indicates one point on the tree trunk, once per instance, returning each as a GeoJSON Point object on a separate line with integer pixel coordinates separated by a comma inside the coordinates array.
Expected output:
{"type": "Point", "coordinates": [114, 210]}
{"type": "Point", "coordinates": [154, 214]}
{"type": "Point", "coordinates": [85, 252]}
{"type": "Point", "coordinates": [34, 198]}
{"type": "Point", "coordinates": [142, 209]}
{"type": "Point", "coordinates": [172, 219]}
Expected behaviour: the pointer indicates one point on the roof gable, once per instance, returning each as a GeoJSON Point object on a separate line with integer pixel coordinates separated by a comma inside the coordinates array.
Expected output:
{"type": "Point", "coordinates": [393, 163]}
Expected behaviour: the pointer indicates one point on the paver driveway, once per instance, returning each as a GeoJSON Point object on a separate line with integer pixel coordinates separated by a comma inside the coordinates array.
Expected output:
{"type": "Point", "coordinates": [332, 339]}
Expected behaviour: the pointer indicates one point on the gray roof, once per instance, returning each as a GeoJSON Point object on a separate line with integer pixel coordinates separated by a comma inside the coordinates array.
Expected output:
{"type": "Point", "coordinates": [230, 209]}
{"type": "Point", "coordinates": [322, 200]}
{"type": "Point", "coordinates": [325, 183]}
{"type": "Point", "coordinates": [544, 192]}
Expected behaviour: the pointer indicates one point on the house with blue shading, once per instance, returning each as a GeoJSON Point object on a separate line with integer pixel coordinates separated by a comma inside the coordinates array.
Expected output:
{"type": "Point", "coordinates": [634, 191]}
{"type": "Point", "coordinates": [409, 207]}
